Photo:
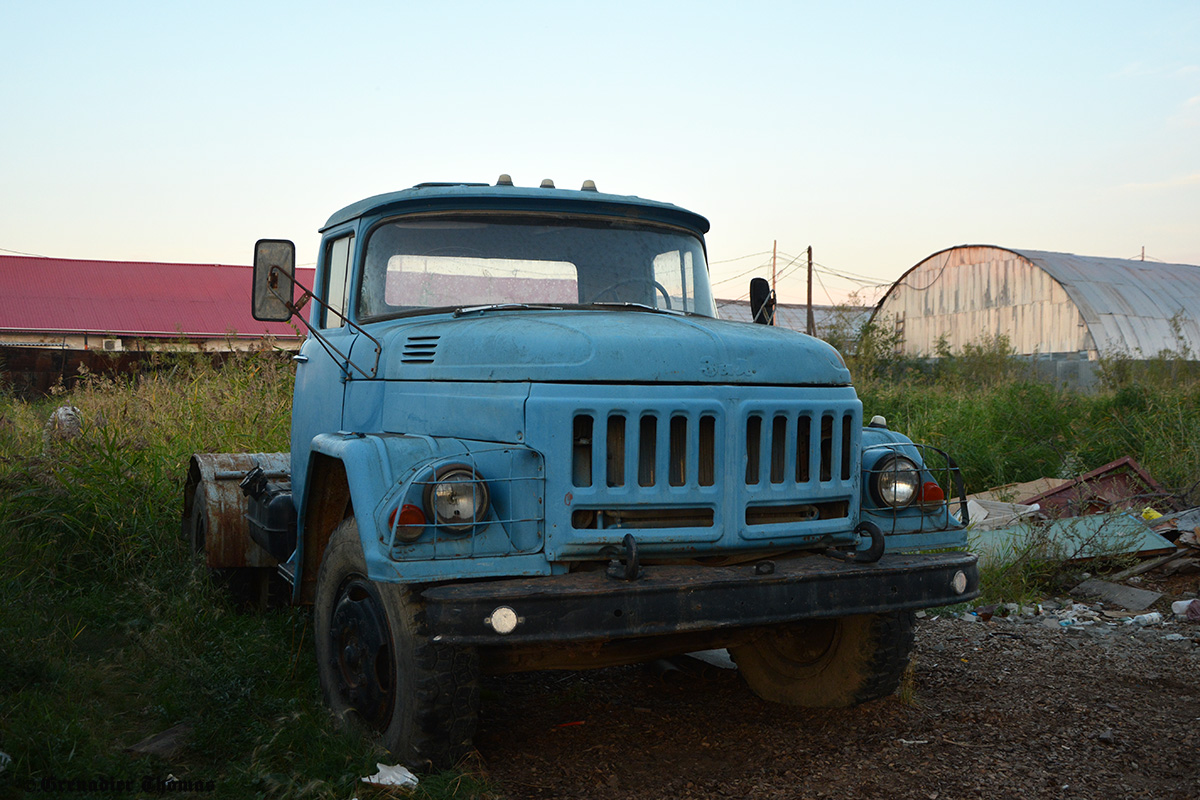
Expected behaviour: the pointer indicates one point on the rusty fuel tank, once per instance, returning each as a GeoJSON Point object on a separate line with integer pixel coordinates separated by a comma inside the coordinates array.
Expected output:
{"type": "Point", "coordinates": [214, 508]}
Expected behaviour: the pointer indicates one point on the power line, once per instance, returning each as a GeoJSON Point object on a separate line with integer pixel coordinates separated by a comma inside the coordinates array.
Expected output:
{"type": "Point", "coordinates": [739, 275]}
{"type": "Point", "coordinates": [739, 258]}
{"type": "Point", "coordinates": [20, 253]}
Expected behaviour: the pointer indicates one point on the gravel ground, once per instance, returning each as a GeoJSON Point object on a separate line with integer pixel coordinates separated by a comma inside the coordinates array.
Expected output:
{"type": "Point", "coordinates": [1016, 707]}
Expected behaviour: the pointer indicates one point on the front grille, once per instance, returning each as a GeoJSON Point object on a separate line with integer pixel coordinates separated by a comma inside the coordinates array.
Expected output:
{"type": "Point", "coordinates": [779, 447]}
{"type": "Point", "coordinates": [649, 452]}
{"type": "Point", "coordinates": [696, 469]}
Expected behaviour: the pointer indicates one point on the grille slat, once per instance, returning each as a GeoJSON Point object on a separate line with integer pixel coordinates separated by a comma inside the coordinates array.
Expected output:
{"type": "Point", "coordinates": [647, 450]}
{"type": "Point", "coordinates": [826, 472]}
{"type": "Point", "coordinates": [679, 451]}
{"type": "Point", "coordinates": [615, 451]}
{"type": "Point", "coordinates": [803, 448]}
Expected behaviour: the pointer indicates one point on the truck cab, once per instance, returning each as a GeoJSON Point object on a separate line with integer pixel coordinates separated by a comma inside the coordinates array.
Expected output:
{"type": "Point", "coordinates": [522, 438]}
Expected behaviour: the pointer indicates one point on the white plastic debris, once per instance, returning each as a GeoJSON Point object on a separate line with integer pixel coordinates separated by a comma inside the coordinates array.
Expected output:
{"type": "Point", "coordinates": [1153, 618]}
{"type": "Point", "coordinates": [392, 776]}
{"type": "Point", "coordinates": [65, 423]}
{"type": "Point", "coordinates": [717, 658]}
{"type": "Point", "coordinates": [1186, 608]}
{"type": "Point", "coordinates": [5, 760]}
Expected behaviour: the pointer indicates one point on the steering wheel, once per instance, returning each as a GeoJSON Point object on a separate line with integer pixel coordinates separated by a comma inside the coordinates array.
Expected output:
{"type": "Point", "coordinates": [657, 286]}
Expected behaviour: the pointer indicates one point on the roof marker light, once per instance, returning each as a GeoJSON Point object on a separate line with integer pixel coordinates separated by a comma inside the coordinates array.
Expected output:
{"type": "Point", "coordinates": [547, 184]}
{"type": "Point", "coordinates": [504, 180]}
{"type": "Point", "coordinates": [589, 186]}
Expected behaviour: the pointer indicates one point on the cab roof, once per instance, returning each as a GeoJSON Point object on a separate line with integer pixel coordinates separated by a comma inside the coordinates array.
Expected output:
{"type": "Point", "coordinates": [426, 197]}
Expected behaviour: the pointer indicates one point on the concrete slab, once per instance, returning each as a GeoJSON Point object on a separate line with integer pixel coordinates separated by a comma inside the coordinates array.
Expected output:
{"type": "Point", "coordinates": [1126, 597]}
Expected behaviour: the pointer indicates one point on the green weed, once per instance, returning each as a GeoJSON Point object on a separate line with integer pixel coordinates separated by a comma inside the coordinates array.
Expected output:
{"type": "Point", "coordinates": [111, 634]}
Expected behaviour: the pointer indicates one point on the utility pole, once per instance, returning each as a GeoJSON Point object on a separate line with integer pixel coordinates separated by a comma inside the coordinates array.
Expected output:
{"type": "Point", "coordinates": [774, 251]}
{"type": "Point", "coordinates": [812, 325]}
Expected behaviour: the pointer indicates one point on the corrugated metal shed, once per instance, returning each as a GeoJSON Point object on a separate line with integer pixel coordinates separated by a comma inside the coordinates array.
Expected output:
{"type": "Point", "coordinates": [131, 299]}
{"type": "Point", "coordinates": [1046, 303]}
{"type": "Point", "coordinates": [1129, 305]}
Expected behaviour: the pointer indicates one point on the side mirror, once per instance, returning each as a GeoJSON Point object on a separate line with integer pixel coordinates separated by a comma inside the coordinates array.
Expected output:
{"type": "Point", "coordinates": [274, 280]}
{"type": "Point", "coordinates": [762, 301]}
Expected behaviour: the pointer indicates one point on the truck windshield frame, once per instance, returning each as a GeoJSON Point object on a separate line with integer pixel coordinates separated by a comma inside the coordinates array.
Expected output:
{"type": "Point", "coordinates": [421, 264]}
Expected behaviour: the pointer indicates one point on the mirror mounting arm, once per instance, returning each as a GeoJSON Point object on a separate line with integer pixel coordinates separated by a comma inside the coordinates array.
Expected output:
{"type": "Point", "coordinates": [326, 345]}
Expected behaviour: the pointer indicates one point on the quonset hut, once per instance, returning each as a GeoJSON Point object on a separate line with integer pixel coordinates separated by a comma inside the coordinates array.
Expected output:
{"type": "Point", "coordinates": [1062, 310]}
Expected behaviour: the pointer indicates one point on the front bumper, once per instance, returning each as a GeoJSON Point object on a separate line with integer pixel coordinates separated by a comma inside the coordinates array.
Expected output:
{"type": "Point", "coordinates": [584, 606]}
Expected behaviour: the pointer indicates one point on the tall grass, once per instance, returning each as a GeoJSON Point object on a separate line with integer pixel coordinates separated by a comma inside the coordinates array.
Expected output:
{"type": "Point", "coordinates": [110, 632]}
{"type": "Point", "coordinates": [1003, 426]}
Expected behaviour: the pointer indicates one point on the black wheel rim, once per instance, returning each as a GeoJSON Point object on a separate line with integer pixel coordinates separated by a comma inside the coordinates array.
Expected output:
{"type": "Point", "coordinates": [362, 652]}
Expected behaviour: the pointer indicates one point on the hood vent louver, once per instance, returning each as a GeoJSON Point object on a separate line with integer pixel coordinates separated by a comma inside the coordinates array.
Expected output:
{"type": "Point", "coordinates": [419, 350]}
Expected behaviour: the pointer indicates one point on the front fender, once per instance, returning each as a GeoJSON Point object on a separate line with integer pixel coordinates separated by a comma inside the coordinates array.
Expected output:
{"type": "Point", "coordinates": [918, 527]}
{"type": "Point", "coordinates": [384, 472]}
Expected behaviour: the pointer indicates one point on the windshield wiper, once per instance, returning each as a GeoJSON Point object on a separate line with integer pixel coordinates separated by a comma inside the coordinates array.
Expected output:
{"type": "Point", "coordinates": [458, 312]}
{"type": "Point", "coordinates": [638, 307]}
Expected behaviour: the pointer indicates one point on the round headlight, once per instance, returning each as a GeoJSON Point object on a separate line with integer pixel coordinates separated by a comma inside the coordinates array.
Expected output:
{"type": "Point", "coordinates": [896, 481]}
{"type": "Point", "coordinates": [457, 499]}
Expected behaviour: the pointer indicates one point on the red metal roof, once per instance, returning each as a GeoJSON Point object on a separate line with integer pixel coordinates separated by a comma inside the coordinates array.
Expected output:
{"type": "Point", "coordinates": [136, 299]}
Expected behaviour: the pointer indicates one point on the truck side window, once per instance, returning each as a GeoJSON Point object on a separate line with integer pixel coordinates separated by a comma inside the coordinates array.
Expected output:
{"type": "Point", "coordinates": [337, 259]}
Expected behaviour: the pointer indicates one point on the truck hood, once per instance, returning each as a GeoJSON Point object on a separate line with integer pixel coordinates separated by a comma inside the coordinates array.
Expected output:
{"type": "Point", "coordinates": [606, 346]}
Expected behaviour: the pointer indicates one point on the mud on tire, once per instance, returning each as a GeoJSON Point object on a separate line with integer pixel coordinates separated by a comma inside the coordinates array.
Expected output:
{"type": "Point", "coordinates": [831, 663]}
{"type": "Point", "coordinates": [378, 667]}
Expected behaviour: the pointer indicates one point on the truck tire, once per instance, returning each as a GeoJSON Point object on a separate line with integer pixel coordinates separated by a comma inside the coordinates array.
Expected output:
{"type": "Point", "coordinates": [378, 667]}
{"type": "Point", "coordinates": [828, 663]}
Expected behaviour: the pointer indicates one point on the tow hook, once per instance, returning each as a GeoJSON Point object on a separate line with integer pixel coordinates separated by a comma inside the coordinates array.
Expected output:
{"type": "Point", "coordinates": [630, 569]}
{"type": "Point", "coordinates": [868, 556]}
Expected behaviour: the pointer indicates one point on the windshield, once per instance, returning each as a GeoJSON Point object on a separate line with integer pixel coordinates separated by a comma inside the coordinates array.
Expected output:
{"type": "Point", "coordinates": [415, 264]}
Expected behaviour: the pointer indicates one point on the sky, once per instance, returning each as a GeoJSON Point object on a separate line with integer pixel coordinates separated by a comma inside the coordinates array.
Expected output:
{"type": "Point", "coordinates": [876, 132]}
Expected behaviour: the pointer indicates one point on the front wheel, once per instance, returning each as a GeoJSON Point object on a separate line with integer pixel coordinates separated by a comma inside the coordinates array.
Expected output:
{"type": "Point", "coordinates": [828, 663]}
{"type": "Point", "coordinates": [378, 667]}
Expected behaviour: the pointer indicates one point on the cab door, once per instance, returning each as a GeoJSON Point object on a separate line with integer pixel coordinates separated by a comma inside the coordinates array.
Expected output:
{"type": "Point", "coordinates": [322, 366]}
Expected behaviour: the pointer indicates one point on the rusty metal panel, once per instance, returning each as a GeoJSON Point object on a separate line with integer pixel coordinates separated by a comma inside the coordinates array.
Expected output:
{"type": "Point", "coordinates": [213, 479]}
{"type": "Point", "coordinates": [1119, 485]}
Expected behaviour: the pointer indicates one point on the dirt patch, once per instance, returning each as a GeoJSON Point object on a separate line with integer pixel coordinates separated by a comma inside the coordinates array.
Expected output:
{"type": "Point", "coordinates": [997, 709]}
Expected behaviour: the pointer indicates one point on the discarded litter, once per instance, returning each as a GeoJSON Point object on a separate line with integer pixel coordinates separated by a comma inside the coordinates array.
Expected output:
{"type": "Point", "coordinates": [1153, 618]}
{"type": "Point", "coordinates": [392, 776]}
{"type": "Point", "coordinates": [5, 760]}
{"type": "Point", "coordinates": [717, 658]}
{"type": "Point", "coordinates": [1188, 609]}
{"type": "Point", "coordinates": [987, 515]}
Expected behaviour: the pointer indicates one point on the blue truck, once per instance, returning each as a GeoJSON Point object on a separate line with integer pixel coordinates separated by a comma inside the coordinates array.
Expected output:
{"type": "Point", "coordinates": [522, 439]}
